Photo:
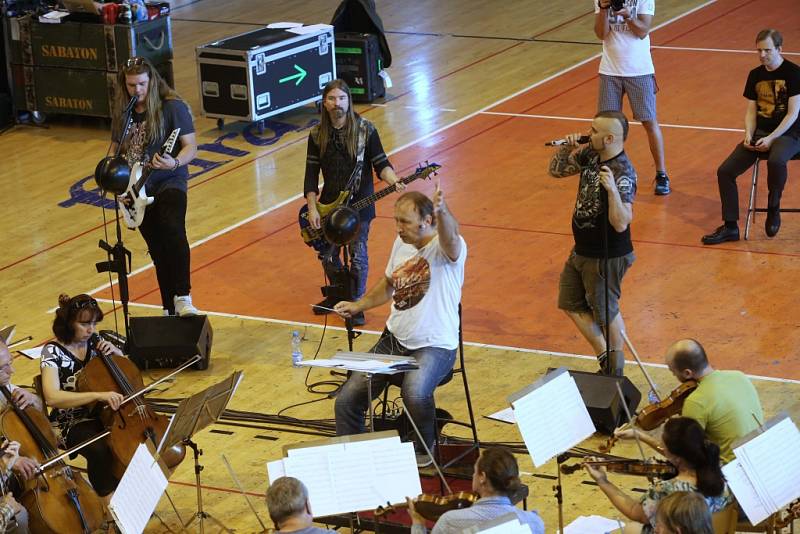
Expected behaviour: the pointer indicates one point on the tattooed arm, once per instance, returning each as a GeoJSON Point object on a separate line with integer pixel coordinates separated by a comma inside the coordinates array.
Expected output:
{"type": "Point", "coordinates": [564, 162]}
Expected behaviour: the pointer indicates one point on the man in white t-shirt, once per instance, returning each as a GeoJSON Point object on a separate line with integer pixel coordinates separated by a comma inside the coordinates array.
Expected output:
{"type": "Point", "coordinates": [627, 68]}
{"type": "Point", "coordinates": [423, 280]}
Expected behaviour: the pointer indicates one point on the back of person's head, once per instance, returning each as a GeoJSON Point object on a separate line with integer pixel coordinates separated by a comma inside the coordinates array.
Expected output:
{"type": "Point", "coordinates": [78, 308]}
{"type": "Point", "coordinates": [286, 497]}
{"type": "Point", "coordinates": [617, 116]}
{"type": "Point", "coordinates": [689, 354]}
{"type": "Point", "coordinates": [684, 512]}
{"type": "Point", "coordinates": [422, 204]}
{"type": "Point", "coordinates": [685, 438]}
{"type": "Point", "coordinates": [501, 470]}
{"type": "Point", "coordinates": [769, 33]}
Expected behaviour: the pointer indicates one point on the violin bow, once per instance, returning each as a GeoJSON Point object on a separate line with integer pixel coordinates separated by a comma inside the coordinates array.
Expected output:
{"type": "Point", "coordinates": [241, 490]}
{"type": "Point", "coordinates": [425, 445]}
{"type": "Point", "coordinates": [196, 358]}
{"type": "Point", "coordinates": [630, 418]}
{"type": "Point", "coordinates": [641, 366]}
{"type": "Point", "coordinates": [55, 459]}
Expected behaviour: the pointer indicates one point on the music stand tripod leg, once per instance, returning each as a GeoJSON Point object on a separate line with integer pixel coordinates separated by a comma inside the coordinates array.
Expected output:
{"type": "Point", "coordinates": [201, 515]}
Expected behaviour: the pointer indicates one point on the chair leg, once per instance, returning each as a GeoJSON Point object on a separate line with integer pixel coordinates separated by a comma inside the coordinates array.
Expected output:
{"type": "Point", "coordinates": [751, 208]}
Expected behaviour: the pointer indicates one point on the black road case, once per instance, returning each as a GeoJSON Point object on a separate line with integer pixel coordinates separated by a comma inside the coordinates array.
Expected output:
{"type": "Point", "coordinates": [265, 72]}
{"type": "Point", "coordinates": [358, 62]}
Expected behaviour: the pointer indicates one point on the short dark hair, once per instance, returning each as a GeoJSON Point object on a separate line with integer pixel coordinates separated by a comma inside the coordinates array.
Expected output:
{"type": "Point", "coordinates": [691, 356]}
{"type": "Point", "coordinates": [287, 496]}
{"type": "Point", "coordinates": [500, 467]}
{"type": "Point", "coordinates": [775, 35]}
{"type": "Point", "coordinates": [70, 310]}
{"type": "Point", "coordinates": [422, 204]}
{"type": "Point", "coordinates": [619, 117]}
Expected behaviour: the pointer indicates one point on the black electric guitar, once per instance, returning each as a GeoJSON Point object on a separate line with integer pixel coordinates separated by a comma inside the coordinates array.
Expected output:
{"type": "Point", "coordinates": [134, 200]}
{"type": "Point", "coordinates": [314, 237]}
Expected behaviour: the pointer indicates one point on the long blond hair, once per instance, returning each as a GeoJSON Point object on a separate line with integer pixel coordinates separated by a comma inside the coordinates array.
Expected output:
{"type": "Point", "coordinates": [154, 118]}
{"type": "Point", "coordinates": [350, 126]}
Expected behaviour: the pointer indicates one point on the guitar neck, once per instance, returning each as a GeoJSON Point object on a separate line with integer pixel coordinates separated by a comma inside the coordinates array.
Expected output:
{"type": "Point", "coordinates": [366, 201]}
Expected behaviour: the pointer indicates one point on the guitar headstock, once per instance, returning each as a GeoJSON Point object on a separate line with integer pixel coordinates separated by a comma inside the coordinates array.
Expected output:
{"type": "Point", "coordinates": [169, 144]}
{"type": "Point", "coordinates": [427, 170]}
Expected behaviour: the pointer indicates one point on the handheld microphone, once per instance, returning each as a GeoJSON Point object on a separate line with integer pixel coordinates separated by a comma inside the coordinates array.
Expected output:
{"type": "Point", "coordinates": [559, 142]}
{"type": "Point", "coordinates": [130, 105]}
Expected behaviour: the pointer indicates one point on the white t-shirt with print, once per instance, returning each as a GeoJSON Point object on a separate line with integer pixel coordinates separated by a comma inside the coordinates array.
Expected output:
{"type": "Point", "coordinates": [624, 54]}
{"type": "Point", "coordinates": [427, 290]}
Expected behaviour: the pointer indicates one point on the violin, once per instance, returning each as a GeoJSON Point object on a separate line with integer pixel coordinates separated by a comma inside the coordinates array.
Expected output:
{"type": "Point", "coordinates": [59, 500]}
{"type": "Point", "coordinates": [135, 421]}
{"type": "Point", "coordinates": [432, 507]}
{"type": "Point", "coordinates": [654, 415]}
{"type": "Point", "coordinates": [792, 513]}
{"type": "Point", "coordinates": [646, 468]}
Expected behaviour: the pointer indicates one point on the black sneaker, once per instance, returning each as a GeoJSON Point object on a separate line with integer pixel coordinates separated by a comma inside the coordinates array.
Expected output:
{"type": "Point", "coordinates": [320, 307]}
{"type": "Point", "coordinates": [773, 222]}
{"type": "Point", "coordinates": [721, 235]}
{"type": "Point", "coordinates": [662, 184]}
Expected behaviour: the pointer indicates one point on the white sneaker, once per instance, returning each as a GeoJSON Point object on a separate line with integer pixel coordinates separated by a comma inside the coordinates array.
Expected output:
{"type": "Point", "coordinates": [165, 312]}
{"type": "Point", "coordinates": [184, 307]}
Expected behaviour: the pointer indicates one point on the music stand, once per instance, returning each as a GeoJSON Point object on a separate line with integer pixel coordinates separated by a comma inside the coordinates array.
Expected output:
{"type": "Point", "coordinates": [193, 415]}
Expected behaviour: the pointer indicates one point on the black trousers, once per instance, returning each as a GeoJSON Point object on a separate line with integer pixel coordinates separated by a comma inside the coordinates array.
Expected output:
{"type": "Point", "coordinates": [164, 231]}
{"type": "Point", "coordinates": [98, 455]}
{"type": "Point", "coordinates": [782, 150]}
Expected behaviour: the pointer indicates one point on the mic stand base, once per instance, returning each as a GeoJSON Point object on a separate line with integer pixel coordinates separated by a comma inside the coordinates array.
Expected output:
{"type": "Point", "coordinates": [200, 515]}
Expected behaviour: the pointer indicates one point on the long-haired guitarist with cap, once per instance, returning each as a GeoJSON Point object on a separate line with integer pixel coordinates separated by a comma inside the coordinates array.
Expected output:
{"type": "Point", "coordinates": [158, 112]}
{"type": "Point", "coordinates": [345, 147]}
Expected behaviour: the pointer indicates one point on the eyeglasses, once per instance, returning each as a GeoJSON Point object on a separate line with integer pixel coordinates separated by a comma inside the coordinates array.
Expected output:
{"type": "Point", "coordinates": [83, 303]}
{"type": "Point", "coordinates": [134, 61]}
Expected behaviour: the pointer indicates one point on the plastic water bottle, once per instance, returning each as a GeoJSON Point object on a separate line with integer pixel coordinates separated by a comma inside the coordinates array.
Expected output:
{"type": "Point", "coordinates": [297, 353]}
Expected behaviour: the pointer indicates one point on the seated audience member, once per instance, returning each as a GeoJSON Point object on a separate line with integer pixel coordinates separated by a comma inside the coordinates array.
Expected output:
{"type": "Point", "coordinates": [287, 503]}
{"type": "Point", "coordinates": [495, 479]}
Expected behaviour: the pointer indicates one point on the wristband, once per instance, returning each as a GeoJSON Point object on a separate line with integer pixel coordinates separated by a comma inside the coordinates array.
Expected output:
{"type": "Point", "coordinates": [177, 164]}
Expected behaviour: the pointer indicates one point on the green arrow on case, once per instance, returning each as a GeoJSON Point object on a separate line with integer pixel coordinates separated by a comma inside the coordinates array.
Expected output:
{"type": "Point", "coordinates": [301, 74]}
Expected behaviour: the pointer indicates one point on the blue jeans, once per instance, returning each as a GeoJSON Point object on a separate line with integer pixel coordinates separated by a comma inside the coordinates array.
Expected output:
{"type": "Point", "coordinates": [359, 262]}
{"type": "Point", "coordinates": [416, 388]}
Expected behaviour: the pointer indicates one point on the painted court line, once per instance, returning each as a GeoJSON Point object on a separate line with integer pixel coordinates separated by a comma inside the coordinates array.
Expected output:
{"type": "Point", "coordinates": [468, 343]}
{"type": "Point", "coordinates": [581, 119]}
{"type": "Point", "coordinates": [724, 50]}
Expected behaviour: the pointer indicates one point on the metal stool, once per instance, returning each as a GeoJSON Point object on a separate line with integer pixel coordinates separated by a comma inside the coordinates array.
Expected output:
{"type": "Point", "coordinates": [751, 207]}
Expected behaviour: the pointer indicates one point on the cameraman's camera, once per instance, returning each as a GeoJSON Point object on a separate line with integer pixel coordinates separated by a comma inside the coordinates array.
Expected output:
{"type": "Point", "coordinates": [617, 5]}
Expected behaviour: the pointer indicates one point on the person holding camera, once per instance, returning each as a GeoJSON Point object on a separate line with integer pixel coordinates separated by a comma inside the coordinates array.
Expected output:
{"type": "Point", "coordinates": [771, 125]}
{"type": "Point", "coordinates": [626, 67]}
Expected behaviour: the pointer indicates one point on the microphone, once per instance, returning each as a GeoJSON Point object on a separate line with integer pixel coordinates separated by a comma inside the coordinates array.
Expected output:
{"type": "Point", "coordinates": [559, 142]}
{"type": "Point", "coordinates": [130, 105]}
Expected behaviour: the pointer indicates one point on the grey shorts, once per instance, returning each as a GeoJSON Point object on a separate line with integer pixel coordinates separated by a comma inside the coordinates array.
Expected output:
{"type": "Point", "coordinates": [641, 91]}
{"type": "Point", "coordinates": [581, 287]}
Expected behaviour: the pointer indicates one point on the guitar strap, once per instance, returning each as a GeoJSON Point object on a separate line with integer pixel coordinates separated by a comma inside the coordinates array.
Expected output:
{"type": "Point", "coordinates": [354, 183]}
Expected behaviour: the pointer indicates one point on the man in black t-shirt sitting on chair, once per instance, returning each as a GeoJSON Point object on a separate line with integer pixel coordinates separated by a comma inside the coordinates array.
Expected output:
{"type": "Point", "coordinates": [771, 125]}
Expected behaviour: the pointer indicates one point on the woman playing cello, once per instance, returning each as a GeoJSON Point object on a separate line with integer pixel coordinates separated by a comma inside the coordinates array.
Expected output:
{"type": "Point", "coordinates": [75, 322]}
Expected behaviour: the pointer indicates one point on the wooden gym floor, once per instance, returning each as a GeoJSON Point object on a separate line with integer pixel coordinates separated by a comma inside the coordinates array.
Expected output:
{"type": "Point", "coordinates": [479, 87]}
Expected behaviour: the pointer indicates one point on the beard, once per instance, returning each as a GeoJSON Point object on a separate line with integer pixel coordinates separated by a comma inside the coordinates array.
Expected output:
{"type": "Point", "coordinates": [337, 114]}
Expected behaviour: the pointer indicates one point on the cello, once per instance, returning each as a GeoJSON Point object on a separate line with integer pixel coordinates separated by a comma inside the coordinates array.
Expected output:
{"type": "Point", "coordinates": [59, 501]}
{"type": "Point", "coordinates": [135, 421]}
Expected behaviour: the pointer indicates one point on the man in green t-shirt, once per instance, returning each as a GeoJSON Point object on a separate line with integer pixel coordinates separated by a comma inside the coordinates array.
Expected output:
{"type": "Point", "coordinates": [725, 403]}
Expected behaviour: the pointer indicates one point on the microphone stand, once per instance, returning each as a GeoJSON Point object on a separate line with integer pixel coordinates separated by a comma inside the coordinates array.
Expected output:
{"type": "Point", "coordinates": [118, 254]}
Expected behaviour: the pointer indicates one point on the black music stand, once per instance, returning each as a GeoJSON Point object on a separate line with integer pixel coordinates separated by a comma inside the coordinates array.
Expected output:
{"type": "Point", "coordinates": [341, 286]}
{"type": "Point", "coordinates": [193, 415]}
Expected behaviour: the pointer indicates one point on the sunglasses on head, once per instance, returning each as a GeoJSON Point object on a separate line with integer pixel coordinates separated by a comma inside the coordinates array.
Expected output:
{"type": "Point", "coordinates": [134, 62]}
{"type": "Point", "coordinates": [83, 303]}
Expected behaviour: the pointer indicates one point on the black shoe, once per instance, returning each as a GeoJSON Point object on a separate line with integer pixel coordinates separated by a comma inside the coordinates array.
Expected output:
{"type": "Point", "coordinates": [662, 184]}
{"type": "Point", "coordinates": [319, 308]}
{"type": "Point", "coordinates": [721, 235]}
{"type": "Point", "coordinates": [773, 222]}
{"type": "Point", "coordinates": [358, 319]}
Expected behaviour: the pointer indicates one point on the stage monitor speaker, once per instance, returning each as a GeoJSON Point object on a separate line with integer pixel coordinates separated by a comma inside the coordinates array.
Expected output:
{"type": "Point", "coordinates": [601, 397]}
{"type": "Point", "coordinates": [167, 342]}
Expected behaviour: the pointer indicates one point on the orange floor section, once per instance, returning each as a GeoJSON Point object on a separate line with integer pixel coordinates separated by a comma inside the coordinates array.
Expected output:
{"type": "Point", "coordinates": [735, 298]}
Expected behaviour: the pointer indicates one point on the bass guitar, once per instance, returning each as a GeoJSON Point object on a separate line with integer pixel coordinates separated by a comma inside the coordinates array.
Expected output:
{"type": "Point", "coordinates": [134, 200]}
{"type": "Point", "coordinates": [313, 237]}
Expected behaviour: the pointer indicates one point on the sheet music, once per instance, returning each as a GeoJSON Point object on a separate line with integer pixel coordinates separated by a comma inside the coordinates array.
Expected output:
{"type": "Point", "coordinates": [552, 417]}
{"type": "Point", "coordinates": [138, 492]}
{"type": "Point", "coordinates": [774, 458]}
{"type": "Point", "coordinates": [506, 415]}
{"type": "Point", "coordinates": [34, 354]}
{"type": "Point", "coordinates": [746, 494]}
{"type": "Point", "coordinates": [275, 470]}
{"type": "Point", "coordinates": [353, 473]}
{"type": "Point", "coordinates": [593, 524]}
